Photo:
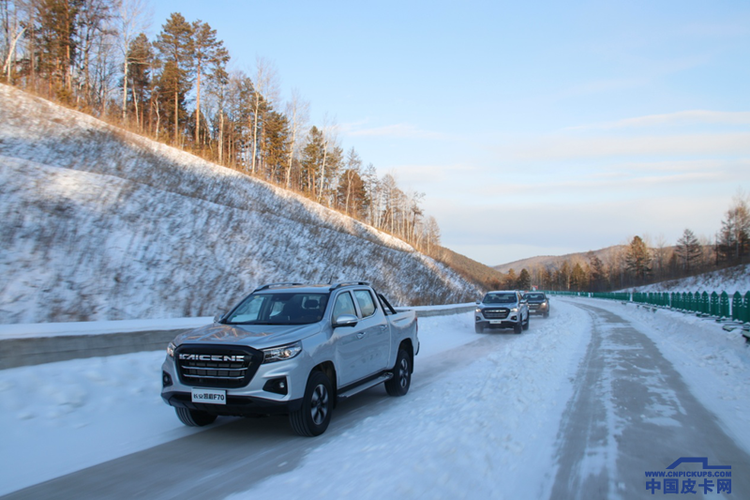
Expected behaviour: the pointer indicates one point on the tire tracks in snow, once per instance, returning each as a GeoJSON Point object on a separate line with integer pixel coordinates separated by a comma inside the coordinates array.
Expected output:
{"type": "Point", "coordinates": [632, 412]}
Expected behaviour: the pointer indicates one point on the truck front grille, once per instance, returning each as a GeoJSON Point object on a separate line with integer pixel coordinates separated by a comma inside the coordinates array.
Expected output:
{"type": "Point", "coordinates": [220, 366]}
{"type": "Point", "coordinates": [501, 313]}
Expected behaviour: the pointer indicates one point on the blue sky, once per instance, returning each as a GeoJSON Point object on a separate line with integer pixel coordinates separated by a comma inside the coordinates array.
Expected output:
{"type": "Point", "coordinates": [533, 128]}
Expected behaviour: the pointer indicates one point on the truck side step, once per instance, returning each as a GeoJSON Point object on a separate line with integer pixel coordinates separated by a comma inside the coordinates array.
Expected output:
{"type": "Point", "coordinates": [351, 391]}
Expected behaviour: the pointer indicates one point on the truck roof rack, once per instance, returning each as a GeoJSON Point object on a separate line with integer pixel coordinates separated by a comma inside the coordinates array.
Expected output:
{"type": "Point", "coordinates": [348, 283]}
{"type": "Point", "coordinates": [277, 285]}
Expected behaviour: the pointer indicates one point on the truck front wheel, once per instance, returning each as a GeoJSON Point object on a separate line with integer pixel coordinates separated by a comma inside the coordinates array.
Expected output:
{"type": "Point", "coordinates": [399, 384]}
{"type": "Point", "coordinates": [194, 418]}
{"type": "Point", "coordinates": [314, 415]}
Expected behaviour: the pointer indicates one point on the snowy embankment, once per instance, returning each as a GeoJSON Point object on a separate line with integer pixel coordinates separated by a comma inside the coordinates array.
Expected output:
{"type": "Point", "coordinates": [482, 428]}
{"type": "Point", "coordinates": [730, 280]}
{"type": "Point", "coordinates": [101, 224]}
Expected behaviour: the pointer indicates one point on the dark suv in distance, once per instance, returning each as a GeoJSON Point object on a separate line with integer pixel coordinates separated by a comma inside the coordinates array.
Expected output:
{"type": "Point", "coordinates": [538, 303]}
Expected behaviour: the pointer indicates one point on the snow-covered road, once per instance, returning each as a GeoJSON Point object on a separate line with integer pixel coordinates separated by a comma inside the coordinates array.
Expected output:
{"type": "Point", "coordinates": [557, 412]}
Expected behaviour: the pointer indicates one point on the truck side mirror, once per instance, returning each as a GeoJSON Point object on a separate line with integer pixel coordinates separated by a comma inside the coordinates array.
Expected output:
{"type": "Point", "coordinates": [345, 320]}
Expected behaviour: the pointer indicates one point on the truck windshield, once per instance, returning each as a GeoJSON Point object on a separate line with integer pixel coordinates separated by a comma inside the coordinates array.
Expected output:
{"type": "Point", "coordinates": [499, 298]}
{"type": "Point", "coordinates": [279, 309]}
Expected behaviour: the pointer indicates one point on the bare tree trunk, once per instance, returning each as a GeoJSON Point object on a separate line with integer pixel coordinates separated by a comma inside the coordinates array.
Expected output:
{"type": "Point", "coordinates": [298, 112]}
{"type": "Point", "coordinates": [221, 136]}
{"type": "Point", "coordinates": [176, 116]}
{"type": "Point", "coordinates": [130, 21]}
{"type": "Point", "coordinates": [198, 109]}
{"type": "Point", "coordinates": [266, 87]}
{"type": "Point", "coordinates": [11, 52]}
{"type": "Point", "coordinates": [125, 90]}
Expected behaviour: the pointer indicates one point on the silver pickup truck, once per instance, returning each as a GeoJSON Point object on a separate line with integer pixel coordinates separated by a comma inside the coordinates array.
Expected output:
{"type": "Point", "coordinates": [294, 349]}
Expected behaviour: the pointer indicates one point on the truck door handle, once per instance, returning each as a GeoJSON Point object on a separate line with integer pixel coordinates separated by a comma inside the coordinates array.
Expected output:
{"type": "Point", "coordinates": [361, 334]}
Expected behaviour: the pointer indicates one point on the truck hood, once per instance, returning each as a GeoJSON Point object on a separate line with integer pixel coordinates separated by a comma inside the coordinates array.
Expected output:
{"type": "Point", "coordinates": [256, 336]}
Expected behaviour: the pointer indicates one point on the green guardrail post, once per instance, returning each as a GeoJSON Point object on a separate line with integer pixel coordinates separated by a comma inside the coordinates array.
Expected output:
{"type": "Point", "coordinates": [724, 305]}
{"type": "Point", "coordinates": [737, 312]}
{"type": "Point", "coordinates": [713, 305]}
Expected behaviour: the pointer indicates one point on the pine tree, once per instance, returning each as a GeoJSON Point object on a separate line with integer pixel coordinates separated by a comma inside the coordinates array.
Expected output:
{"type": "Point", "coordinates": [313, 155]}
{"type": "Point", "coordinates": [688, 250]}
{"type": "Point", "coordinates": [597, 273]}
{"type": "Point", "coordinates": [209, 56]}
{"type": "Point", "coordinates": [275, 145]}
{"type": "Point", "coordinates": [55, 33]}
{"type": "Point", "coordinates": [139, 62]}
{"type": "Point", "coordinates": [175, 46]}
{"type": "Point", "coordinates": [524, 280]}
{"type": "Point", "coordinates": [352, 196]}
{"type": "Point", "coordinates": [638, 260]}
{"type": "Point", "coordinates": [510, 279]}
{"type": "Point", "coordinates": [578, 278]}
{"type": "Point", "coordinates": [562, 276]}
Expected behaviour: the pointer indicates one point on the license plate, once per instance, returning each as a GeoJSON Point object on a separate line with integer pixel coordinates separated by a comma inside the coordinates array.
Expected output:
{"type": "Point", "coordinates": [209, 396]}
{"type": "Point", "coordinates": [495, 321]}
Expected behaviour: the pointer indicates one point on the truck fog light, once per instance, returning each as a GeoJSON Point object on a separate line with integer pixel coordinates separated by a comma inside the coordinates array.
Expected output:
{"type": "Point", "coordinates": [277, 386]}
{"type": "Point", "coordinates": [166, 379]}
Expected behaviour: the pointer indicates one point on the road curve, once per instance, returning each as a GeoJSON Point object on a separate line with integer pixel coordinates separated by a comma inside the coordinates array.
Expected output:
{"type": "Point", "coordinates": [631, 413]}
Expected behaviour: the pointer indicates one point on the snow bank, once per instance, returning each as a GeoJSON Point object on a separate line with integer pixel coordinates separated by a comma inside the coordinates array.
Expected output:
{"type": "Point", "coordinates": [731, 280]}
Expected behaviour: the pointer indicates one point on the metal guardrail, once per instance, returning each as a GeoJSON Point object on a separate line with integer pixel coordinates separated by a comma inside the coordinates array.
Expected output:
{"type": "Point", "coordinates": [711, 304]}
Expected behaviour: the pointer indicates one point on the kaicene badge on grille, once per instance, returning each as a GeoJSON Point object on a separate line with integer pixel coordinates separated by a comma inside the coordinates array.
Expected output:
{"type": "Point", "coordinates": [237, 358]}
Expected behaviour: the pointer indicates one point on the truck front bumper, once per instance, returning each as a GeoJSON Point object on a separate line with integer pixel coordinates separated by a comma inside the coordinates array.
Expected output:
{"type": "Point", "coordinates": [238, 406]}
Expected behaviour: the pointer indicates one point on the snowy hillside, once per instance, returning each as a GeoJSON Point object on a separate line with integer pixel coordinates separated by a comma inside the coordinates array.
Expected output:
{"type": "Point", "coordinates": [101, 224]}
{"type": "Point", "coordinates": [730, 280]}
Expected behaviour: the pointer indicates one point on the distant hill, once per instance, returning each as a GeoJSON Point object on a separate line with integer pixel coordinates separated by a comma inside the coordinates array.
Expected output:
{"type": "Point", "coordinates": [102, 224]}
{"type": "Point", "coordinates": [554, 262]}
{"type": "Point", "coordinates": [483, 276]}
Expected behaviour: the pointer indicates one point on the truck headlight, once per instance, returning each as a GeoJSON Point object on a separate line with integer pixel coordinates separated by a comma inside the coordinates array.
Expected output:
{"type": "Point", "coordinates": [281, 353]}
{"type": "Point", "coordinates": [513, 309]}
{"type": "Point", "coordinates": [170, 349]}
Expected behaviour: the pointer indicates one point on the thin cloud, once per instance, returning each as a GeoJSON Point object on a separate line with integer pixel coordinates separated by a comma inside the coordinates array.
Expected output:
{"type": "Point", "coordinates": [572, 148]}
{"type": "Point", "coordinates": [399, 131]}
{"type": "Point", "coordinates": [692, 117]}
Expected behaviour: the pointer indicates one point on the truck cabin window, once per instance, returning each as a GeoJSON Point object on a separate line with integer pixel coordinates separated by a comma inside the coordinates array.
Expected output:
{"type": "Point", "coordinates": [280, 309]}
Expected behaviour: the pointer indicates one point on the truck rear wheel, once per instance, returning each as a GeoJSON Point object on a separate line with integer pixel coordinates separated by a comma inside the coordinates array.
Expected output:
{"type": "Point", "coordinates": [314, 415]}
{"type": "Point", "coordinates": [194, 418]}
{"type": "Point", "coordinates": [399, 384]}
